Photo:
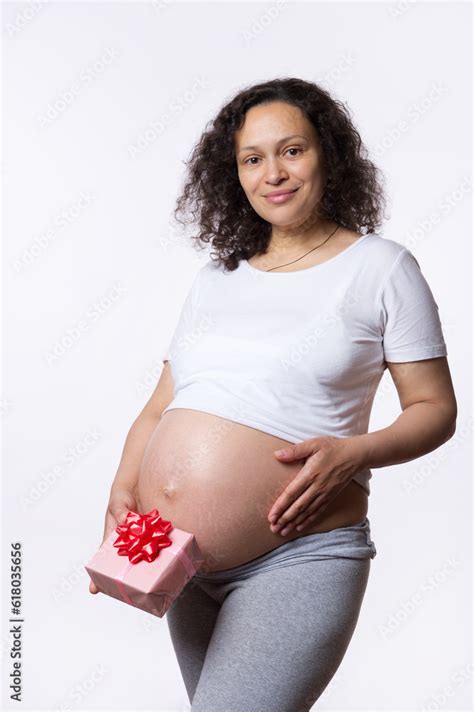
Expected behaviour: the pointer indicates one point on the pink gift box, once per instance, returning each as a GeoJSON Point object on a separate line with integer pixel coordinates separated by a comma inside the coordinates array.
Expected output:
{"type": "Point", "coordinates": [149, 585]}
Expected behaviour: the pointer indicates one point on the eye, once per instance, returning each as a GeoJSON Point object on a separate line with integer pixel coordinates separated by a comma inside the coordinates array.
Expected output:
{"type": "Point", "coordinates": [294, 148]}
{"type": "Point", "coordinates": [251, 158]}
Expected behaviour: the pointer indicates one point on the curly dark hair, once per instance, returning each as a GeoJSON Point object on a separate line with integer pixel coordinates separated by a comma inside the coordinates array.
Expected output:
{"type": "Point", "coordinates": [214, 199]}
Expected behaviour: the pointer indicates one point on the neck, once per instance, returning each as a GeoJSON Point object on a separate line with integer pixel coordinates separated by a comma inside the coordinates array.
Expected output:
{"type": "Point", "coordinates": [285, 241]}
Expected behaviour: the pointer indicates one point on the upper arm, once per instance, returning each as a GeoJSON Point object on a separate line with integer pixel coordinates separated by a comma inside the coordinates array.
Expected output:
{"type": "Point", "coordinates": [425, 381]}
{"type": "Point", "coordinates": [409, 315]}
{"type": "Point", "coordinates": [163, 393]}
{"type": "Point", "coordinates": [413, 342]}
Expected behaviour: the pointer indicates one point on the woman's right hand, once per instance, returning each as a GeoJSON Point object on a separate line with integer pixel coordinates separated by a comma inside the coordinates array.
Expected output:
{"type": "Point", "coordinates": [120, 502]}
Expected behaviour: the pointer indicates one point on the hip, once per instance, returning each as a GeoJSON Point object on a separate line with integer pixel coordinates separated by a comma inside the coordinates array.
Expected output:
{"type": "Point", "coordinates": [350, 542]}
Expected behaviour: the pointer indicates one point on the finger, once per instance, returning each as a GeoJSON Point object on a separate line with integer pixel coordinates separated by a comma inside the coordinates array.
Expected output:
{"type": "Point", "coordinates": [310, 518]}
{"type": "Point", "coordinates": [294, 523]}
{"type": "Point", "coordinates": [317, 506]}
{"type": "Point", "coordinates": [109, 525]}
{"type": "Point", "coordinates": [313, 512]}
{"type": "Point", "coordinates": [293, 490]}
{"type": "Point", "coordinates": [285, 500]}
{"type": "Point", "coordinates": [298, 451]}
{"type": "Point", "coordinates": [116, 514]}
{"type": "Point", "coordinates": [300, 506]}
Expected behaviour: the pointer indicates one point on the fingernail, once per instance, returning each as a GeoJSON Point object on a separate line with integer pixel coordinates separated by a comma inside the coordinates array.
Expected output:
{"type": "Point", "coordinates": [281, 452]}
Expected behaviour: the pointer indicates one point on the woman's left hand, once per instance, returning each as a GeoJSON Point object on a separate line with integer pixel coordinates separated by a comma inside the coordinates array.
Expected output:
{"type": "Point", "coordinates": [329, 467]}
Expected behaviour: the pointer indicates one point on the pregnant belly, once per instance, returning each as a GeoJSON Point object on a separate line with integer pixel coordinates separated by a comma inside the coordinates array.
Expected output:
{"type": "Point", "coordinates": [218, 479]}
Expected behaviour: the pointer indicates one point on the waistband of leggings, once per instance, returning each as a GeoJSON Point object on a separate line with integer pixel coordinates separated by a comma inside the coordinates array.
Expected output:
{"type": "Point", "coordinates": [353, 541]}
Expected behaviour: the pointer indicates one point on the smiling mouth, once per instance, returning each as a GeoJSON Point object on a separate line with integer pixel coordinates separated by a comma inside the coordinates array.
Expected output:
{"type": "Point", "coordinates": [281, 197]}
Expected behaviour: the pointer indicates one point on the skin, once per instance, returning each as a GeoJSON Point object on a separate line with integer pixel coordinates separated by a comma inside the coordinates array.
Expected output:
{"type": "Point", "coordinates": [279, 164]}
{"type": "Point", "coordinates": [425, 388]}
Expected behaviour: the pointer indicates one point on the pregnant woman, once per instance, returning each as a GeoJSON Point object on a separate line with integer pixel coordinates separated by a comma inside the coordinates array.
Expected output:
{"type": "Point", "coordinates": [256, 438]}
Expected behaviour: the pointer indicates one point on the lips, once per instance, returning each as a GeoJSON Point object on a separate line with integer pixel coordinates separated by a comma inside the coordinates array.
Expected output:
{"type": "Point", "coordinates": [279, 192]}
{"type": "Point", "coordinates": [280, 197]}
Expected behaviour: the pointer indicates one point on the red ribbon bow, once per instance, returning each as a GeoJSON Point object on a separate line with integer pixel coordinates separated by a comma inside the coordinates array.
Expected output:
{"type": "Point", "coordinates": [141, 536]}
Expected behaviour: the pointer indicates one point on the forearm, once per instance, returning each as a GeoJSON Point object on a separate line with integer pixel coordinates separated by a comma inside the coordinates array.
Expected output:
{"type": "Point", "coordinates": [419, 429]}
{"type": "Point", "coordinates": [133, 451]}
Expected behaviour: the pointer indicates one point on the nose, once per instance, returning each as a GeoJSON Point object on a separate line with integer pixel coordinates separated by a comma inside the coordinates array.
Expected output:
{"type": "Point", "coordinates": [275, 172]}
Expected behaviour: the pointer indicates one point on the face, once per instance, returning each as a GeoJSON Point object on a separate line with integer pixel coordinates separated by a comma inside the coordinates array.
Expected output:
{"type": "Point", "coordinates": [277, 149]}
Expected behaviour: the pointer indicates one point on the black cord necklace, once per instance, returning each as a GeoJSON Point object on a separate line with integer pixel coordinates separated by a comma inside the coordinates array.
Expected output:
{"type": "Point", "coordinates": [306, 253]}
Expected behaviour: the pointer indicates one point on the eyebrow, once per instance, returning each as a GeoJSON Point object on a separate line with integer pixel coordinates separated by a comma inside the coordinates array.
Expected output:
{"type": "Point", "coordinates": [283, 140]}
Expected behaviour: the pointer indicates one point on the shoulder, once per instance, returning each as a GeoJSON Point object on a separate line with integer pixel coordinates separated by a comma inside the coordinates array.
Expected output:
{"type": "Point", "coordinates": [206, 275]}
{"type": "Point", "coordinates": [213, 269]}
{"type": "Point", "coordinates": [208, 268]}
{"type": "Point", "coordinates": [383, 247]}
{"type": "Point", "coordinates": [383, 253]}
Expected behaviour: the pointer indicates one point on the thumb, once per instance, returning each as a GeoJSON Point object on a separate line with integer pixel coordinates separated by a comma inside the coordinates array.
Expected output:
{"type": "Point", "coordinates": [297, 451]}
{"type": "Point", "coordinates": [116, 514]}
{"type": "Point", "coordinates": [117, 509]}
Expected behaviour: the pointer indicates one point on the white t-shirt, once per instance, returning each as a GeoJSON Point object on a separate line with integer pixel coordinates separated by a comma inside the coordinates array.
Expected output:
{"type": "Point", "coordinates": [300, 354]}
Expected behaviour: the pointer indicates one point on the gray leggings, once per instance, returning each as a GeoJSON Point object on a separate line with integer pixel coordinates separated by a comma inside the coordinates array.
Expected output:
{"type": "Point", "coordinates": [268, 636]}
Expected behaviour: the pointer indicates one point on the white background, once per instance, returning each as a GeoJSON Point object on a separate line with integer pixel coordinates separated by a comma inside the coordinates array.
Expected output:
{"type": "Point", "coordinates": [92, 168]}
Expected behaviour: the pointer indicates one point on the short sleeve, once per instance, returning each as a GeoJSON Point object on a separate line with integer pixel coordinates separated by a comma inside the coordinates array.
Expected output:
{"type": "Point", "coordinates": [411, 326]}
{"type": "Point", "coordinates": [181, 334]}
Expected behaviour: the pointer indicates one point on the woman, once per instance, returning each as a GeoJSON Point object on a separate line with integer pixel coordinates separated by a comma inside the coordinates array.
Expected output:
{"type": "Point", "coordinates": [281, 344]}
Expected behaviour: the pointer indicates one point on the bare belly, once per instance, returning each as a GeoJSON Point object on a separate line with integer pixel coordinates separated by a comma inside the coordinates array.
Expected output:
{"type": "Point", "coordinates": [218, 479]}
